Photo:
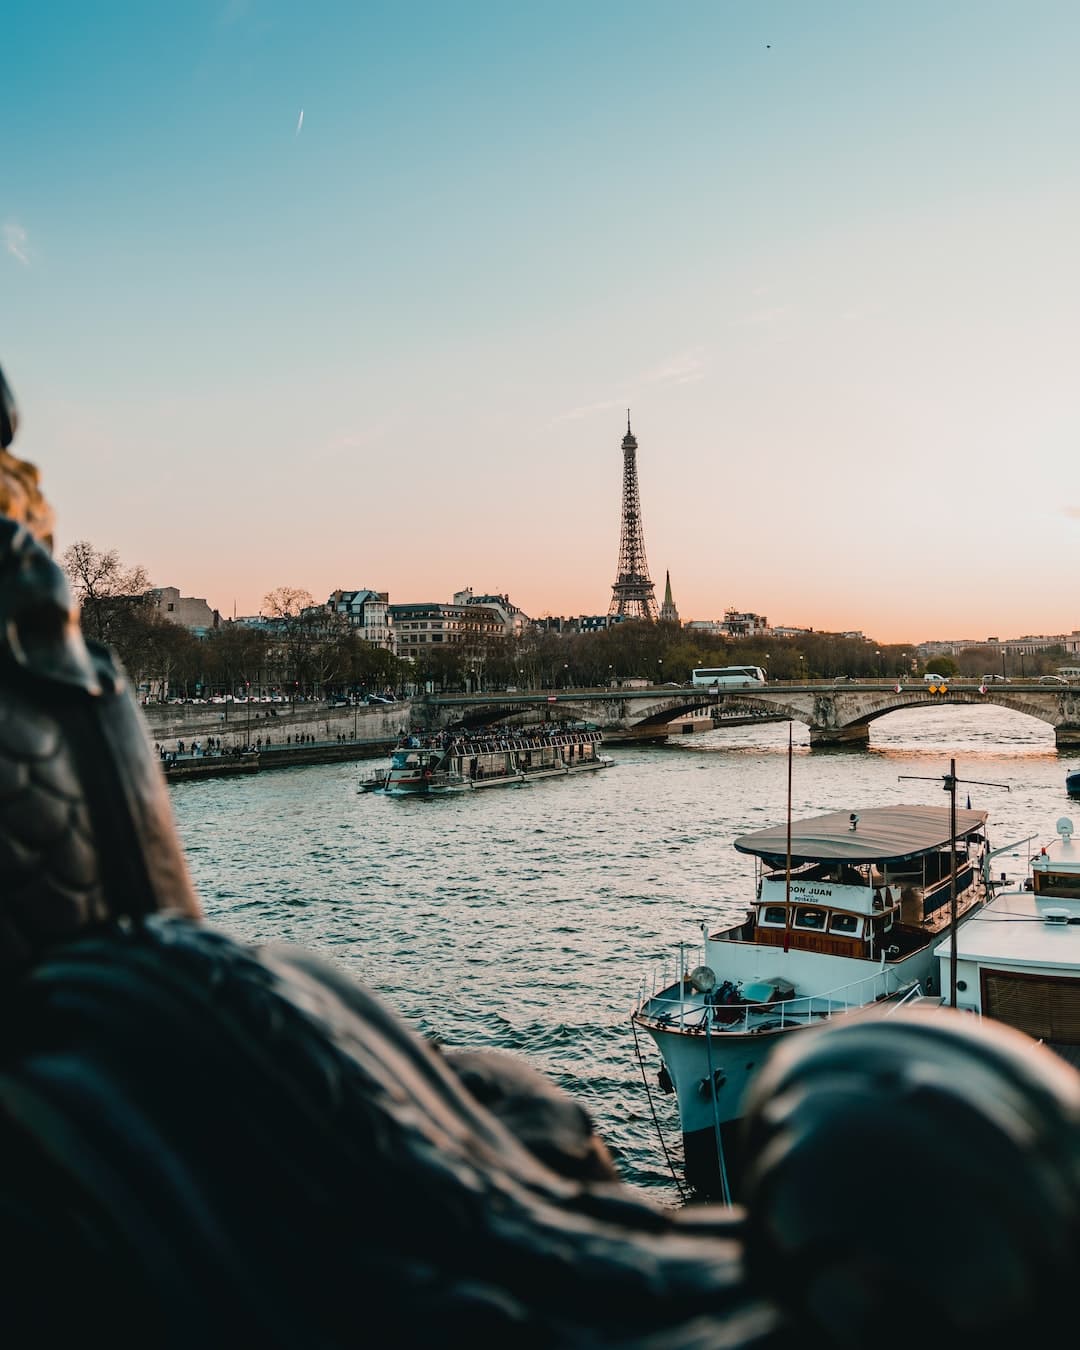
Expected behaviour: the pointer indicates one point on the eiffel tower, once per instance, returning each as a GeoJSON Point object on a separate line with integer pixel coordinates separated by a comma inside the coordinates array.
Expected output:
{"type": "Point", "coordinates": [632, 594]}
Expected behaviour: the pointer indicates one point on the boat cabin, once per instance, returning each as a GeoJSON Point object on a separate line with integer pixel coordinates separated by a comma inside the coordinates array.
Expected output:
{"type": "Point", "coordinates": [874, 884]}
{"type": "Point", "coordinates": [1055, 870]}
{"type": "Point", "coordinates": [1018, 959]}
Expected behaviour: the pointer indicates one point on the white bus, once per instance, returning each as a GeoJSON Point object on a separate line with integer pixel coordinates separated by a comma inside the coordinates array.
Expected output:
{"type": "Point", "coordinates": [728, 677]}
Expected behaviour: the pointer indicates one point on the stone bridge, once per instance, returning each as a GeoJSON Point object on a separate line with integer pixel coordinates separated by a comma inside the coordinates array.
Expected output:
{"type": "Point", "coordinates": [835, 713]}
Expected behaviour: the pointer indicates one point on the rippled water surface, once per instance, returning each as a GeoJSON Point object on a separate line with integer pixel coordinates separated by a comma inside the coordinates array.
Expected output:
{"type": "Point", "coordinates": [525, 918]}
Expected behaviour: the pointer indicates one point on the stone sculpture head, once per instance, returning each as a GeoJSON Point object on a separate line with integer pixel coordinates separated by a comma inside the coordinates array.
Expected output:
{"type": "Point", "coordinates": [86, 832]}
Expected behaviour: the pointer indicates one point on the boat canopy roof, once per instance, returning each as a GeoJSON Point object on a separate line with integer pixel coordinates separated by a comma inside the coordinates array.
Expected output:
{"type": "Point", "coordinates": [878, 834]}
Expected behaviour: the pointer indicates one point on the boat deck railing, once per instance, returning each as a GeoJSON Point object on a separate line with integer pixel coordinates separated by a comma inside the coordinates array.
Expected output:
{"type": "Point", "coordinates": [699, 1012]}
{"type": "Point", "coordinates": [476, 743]}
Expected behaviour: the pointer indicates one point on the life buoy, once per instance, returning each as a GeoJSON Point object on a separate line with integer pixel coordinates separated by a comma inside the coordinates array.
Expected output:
{"type": "Point", "coordinates": [427, 775]}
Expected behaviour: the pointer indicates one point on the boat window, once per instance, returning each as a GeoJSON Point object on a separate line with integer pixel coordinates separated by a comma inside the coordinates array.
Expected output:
{"type": "Point", "coordinates": [1057, 884]}
{"type": "Point", "coordinates": [844, 923]}
{"type": "Point", "coordinates": [805, 917]}
{"type": "Point", "coordinates": [774, 915]}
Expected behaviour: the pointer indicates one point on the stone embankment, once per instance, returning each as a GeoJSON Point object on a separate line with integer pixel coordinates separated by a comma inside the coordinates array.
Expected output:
{"type": "Point", "coordinates": [238, 726]}
{"type": "Point", "coordinates": [254, 737]}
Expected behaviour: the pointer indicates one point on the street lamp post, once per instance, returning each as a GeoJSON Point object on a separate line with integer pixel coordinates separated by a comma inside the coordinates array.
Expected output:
{"type": "Point", "coordinates": [880, 666]}
{"type": "Point", "coordinates": [566, 675]}
{"type": "Point", "coordinates": [660, 671]}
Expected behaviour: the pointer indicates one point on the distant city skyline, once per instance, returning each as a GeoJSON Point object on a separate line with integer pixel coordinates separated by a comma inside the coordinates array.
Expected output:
{"type": "Point", "coordinates": [930, 644]}
{"type": "Point", "coordinates": [358, 296]}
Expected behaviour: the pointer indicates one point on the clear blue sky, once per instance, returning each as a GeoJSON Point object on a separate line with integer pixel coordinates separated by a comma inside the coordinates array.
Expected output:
{"type": "Point", "coordinates": [825, 252]}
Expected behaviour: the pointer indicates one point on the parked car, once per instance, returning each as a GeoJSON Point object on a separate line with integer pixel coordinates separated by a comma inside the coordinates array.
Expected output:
{"type": "Point", "coordinates": [1052, 679]}
{"type": "Point", "coordinates": [996, 679]}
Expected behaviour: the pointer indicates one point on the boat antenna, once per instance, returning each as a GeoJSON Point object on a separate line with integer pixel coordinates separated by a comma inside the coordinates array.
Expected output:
{"type": "Point", "coordinates": [787, 866]}
{"type": "Point", "coordinates": [949, 782]}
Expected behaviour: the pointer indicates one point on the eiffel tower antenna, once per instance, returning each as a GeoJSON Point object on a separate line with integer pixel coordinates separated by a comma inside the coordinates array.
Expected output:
{"type": "Point", "coordinates": [632, 594]}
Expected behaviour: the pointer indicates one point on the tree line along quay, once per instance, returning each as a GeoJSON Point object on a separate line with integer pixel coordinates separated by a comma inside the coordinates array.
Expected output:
{"type": "Point", "coordinates": [300, 649]}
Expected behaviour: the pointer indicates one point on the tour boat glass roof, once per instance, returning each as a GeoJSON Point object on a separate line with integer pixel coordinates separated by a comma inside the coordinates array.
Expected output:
{"type": "Point", "coordinates": [877, 834]}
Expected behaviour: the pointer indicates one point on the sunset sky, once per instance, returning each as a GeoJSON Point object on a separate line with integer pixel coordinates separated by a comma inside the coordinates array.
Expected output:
{"type": "Point", "coordinates": [357, 294]}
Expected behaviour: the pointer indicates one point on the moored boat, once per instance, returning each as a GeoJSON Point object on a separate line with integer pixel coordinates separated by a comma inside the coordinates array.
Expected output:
{"type": "Point", "coordinates": [1072, 782]}
{"type": "Point", "coordinates": [847, 910]}
{"type": "Point", "coordinates": [1018, 957]}
{"type": "Point", "coordinates": [463, 761]}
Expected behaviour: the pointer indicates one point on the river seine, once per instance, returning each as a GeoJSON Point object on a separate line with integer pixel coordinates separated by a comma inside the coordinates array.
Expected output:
{"type": "Point", "coordinates": [524, 919]}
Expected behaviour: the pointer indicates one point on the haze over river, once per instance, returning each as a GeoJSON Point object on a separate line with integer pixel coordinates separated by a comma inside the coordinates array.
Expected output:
{"type": "Point", "coordinates": [525, 918]}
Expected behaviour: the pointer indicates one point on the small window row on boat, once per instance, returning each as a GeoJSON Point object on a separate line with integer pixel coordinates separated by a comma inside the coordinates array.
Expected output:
{"type": "Point", "coordinates": [812, 919]}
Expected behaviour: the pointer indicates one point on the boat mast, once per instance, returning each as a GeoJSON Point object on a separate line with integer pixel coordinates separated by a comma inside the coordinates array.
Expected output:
{"type": "Point", "coordinates": [950, 788]}
{"type": "Point", "coordinates": [787, 868]}
{"type": "Point", "coordinates": [950, 782]}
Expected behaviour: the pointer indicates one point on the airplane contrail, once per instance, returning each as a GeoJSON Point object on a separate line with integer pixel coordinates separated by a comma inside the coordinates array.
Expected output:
{"type": "Point", "coordinates": [300, 122]}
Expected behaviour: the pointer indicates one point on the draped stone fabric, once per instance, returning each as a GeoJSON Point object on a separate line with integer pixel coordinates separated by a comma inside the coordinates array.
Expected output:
{"type": "Point", "coordinates": [205, 1144]}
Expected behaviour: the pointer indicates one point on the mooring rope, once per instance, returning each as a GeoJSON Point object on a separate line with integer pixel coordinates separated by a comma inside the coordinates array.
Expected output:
{"type": "Point", "coordinates": [652, 1108]}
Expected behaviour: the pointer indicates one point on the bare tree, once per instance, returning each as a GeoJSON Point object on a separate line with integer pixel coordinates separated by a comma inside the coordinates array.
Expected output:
{"type": "Point", "coordinates": [299, 630]}
{"type": "Point", "coordinates": [117, 604]}
{"type": "Point", "coordinates": [287, 602]}
{"type": "Point", "coordinates": [104, 587]}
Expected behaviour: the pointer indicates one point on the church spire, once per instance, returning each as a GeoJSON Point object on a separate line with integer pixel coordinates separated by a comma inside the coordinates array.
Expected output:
{"type": "Point", "coordinates": [668, 612]}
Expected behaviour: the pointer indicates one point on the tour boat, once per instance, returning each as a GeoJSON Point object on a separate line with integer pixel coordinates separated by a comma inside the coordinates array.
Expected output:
{"type": "Point", "coordinates": [463, 761]}
{"type": "Point", "coordinates": [848, 908]}
{"type": "Point", "coordinates": [1018, 958]}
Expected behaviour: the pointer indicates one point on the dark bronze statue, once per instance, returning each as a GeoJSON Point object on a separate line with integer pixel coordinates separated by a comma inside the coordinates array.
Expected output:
{"type": "Point", "coordinates": [206, 1144]}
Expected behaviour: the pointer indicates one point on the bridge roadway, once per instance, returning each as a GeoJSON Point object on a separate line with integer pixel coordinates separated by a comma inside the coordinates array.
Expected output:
{"type": "Point", "coordinates": [836, 712]}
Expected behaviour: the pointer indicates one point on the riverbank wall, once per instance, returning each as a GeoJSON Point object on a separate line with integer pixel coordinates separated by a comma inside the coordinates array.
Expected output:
{"type": "Point", "coordinates": [376, 726]}
{"type": "Point", "coordinates": [186, 767]}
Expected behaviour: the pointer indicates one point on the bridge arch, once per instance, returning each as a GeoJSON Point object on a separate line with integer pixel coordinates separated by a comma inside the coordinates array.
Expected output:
{"type": "Point", "coordinates": [844, 716]}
